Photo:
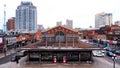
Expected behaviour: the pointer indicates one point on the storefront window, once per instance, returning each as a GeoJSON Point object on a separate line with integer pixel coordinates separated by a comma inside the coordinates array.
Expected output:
{"type": "Point", "coordinates": [46, 56]}
{"type": "Point", "coordinates": [72, 56]}
{"type": "Point", "coordinates": [85, 56]}
{"type": "Point", "coordinates": [34, 55]}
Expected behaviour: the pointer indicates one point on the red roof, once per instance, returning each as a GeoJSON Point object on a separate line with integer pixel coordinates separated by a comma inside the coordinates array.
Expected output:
{"type": "Point", "coordinates": [80, 45]}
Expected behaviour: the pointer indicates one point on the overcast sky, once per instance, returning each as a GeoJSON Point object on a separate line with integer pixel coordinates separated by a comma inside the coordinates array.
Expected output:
{"type": "Point", "coordinates": [82, 12]}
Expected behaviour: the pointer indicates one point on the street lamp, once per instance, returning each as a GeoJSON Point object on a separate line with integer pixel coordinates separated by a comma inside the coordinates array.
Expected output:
{"type": "Point", "coordinates": [113, 58]}
{"type": "Point", "coordinates": [98, 42]}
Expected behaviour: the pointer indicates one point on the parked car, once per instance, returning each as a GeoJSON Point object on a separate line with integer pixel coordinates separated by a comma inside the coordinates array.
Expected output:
{"type": "Point", "coordinates": [22, 53]}
{"type": "Point", "coordinates": [117, 52]}
{"type": "Point", "coordinates": [15, 58]}
{"type": "Point", "coordinates": [110, 54]}
{"type": "Point", "coordinates": [98, 53]}
{"type": "Point", "coordinates": [110, 49]}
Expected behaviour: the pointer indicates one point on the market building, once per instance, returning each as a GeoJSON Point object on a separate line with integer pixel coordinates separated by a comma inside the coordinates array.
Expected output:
{"type": "Point", "coordinates": [59, 45]}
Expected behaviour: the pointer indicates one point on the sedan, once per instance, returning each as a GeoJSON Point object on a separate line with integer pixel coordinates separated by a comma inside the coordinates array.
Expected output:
{"type": "Point", "coordinates": [117, 52]}
{"type": "Point", "coordinates": [98, 53]}
{"type": "Point", "coordinates": [110, 54]}
{"type": "Point", "coordinates": [14, 58]}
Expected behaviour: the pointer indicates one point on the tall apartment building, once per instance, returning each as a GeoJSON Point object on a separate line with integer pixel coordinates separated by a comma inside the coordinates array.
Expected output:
{"type": "Point", "coordinates": [102, 19]}
{"type": "Point", "coordinates": [11, 24]}
{"type": "Point", "coordinates": [40, 27]}
{"type": "Point", "coordinates": [117, 23]}
{"type": "Point", "coordinates": [69, 23]}
{"type": "Point", "coordinates": [26, 17]}
{"type": "Point", "coordinates": [59, 23]}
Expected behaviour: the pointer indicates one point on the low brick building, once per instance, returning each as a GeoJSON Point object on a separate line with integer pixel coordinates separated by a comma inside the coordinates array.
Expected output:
{"type": "Point", "coordinates": [59, 45]}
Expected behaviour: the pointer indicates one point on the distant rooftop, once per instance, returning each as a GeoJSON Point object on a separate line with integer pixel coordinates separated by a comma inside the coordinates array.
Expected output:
{"type": "Point", "coordinates": [26, 3]}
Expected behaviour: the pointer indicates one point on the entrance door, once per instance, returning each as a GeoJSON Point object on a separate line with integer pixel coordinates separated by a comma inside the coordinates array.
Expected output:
{"type": "Point", "coordinates": [60, 57]}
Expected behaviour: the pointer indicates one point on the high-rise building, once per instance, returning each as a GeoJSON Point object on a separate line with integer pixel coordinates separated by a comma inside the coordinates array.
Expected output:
{"type": "Point", "coordinates": [59, 23]}
{"type": "Point", "coordinates": [1, 32]}
{"type": "Point", "coordinates": [26, 17]}
{"type": "Point", "coordinates": [11, 24]}
{"type": "Point", "coordinates": [108, 18]}
{"type": "Point", "coordinates": [102, 19]}
{"type": "Point", "coordinates": [117, 23]}
{"type": "Point", "coordinates": [69, 23]}
{"type": "Point", "coordinates": [40, 27]}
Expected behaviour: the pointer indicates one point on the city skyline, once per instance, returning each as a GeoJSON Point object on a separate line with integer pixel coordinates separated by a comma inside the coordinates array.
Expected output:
{"type": "Point", "coordinates": [51, 11]}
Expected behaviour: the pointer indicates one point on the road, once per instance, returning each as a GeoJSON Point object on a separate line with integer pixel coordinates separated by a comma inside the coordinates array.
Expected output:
{"type": "Point", "coordinates": [5, 59]}
{"type": "Point", "coordinates": [99, 62]}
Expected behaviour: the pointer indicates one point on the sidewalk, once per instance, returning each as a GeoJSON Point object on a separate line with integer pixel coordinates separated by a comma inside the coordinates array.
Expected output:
{"type": "Point", "coordinates": [9, 52]}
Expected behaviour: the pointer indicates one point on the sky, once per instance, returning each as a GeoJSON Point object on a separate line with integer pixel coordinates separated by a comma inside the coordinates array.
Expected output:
{"type": "Point", "coordinates": [82, 12]}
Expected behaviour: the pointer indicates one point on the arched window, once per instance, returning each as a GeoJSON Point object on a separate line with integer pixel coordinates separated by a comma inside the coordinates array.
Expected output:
{"type": "Point", "coordinates": [59, 36]}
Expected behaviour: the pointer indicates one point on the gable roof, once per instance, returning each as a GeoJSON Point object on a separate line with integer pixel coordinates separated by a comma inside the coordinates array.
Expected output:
{"type": "Point", "coordinates": [62, 27]}
{"type": "Point", "coordinates": [78, 46]}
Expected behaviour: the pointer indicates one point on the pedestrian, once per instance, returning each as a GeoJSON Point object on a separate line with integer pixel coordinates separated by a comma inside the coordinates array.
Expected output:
{"type": "Point", "coordinates": [4, 50]}
{"type": "Point", "coordinates": [17, 59]}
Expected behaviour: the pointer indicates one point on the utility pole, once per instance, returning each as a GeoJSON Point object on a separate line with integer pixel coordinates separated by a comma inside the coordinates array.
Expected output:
{"type": "Point", "coordinates": [4, 26]}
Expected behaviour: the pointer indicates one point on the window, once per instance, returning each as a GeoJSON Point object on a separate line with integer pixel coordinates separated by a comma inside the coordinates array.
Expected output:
{"type": "Point", "coordinates": [85, 56]}
{"type": "Point", "coordinates": [34, 55]}
{"type": "Point", "coordinates": [46, 56]}
{"type": "Point", "coordinates": [68, 39]}
{"type": "Point", "coordinates": [75, 39]}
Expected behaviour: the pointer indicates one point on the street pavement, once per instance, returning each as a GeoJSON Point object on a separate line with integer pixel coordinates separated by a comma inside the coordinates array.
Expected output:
{"type": "Point", "coordinates": [99, 62]}
{"type": "Point", "coordinates": [9, 52]}
{"type": "Point", "coordinates": [6, 59]}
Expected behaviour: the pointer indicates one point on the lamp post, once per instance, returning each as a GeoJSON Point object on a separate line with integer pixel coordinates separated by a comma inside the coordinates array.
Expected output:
{"type": "Point", "coordinates": [113, 58]}
{"type": "Point", "coordinates": [98, 42]}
